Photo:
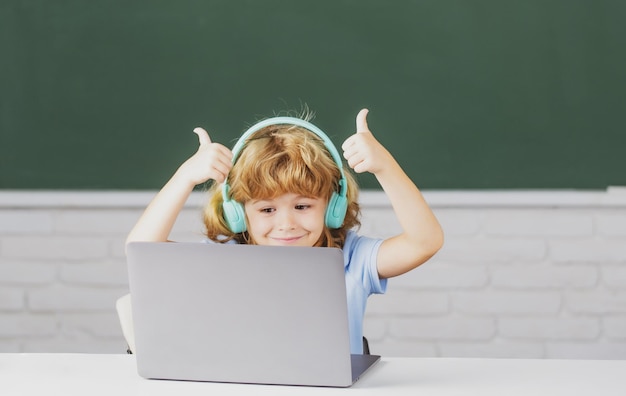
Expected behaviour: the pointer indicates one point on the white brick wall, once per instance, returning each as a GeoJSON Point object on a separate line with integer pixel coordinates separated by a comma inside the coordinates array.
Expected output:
{"type": "Point", "coordinates": [528, 274]}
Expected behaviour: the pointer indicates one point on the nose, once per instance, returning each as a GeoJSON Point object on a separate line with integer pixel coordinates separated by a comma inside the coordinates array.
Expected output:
{"type": "Point", "coordinates": [285, 220]}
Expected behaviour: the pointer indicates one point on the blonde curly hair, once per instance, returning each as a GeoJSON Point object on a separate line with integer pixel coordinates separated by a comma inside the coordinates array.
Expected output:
{"type": "Point", "coordinates": [276, 160]}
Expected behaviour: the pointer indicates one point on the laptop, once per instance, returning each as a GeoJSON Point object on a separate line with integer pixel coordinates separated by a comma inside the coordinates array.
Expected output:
{"type": "Point", "coordinates": [242, 314]}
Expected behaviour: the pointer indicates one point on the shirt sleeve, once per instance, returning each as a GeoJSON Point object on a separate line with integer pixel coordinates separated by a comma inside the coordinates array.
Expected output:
{"type": "Point", "coordinates": [360, 256]}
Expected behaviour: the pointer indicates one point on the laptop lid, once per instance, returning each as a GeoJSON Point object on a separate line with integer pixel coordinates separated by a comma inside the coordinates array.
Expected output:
{"type": "Point", "coordinates": [241, 313]}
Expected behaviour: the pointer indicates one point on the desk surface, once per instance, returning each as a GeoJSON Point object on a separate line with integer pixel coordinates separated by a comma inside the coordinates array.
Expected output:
{"type": "Point", "coordinates": [82, 374]}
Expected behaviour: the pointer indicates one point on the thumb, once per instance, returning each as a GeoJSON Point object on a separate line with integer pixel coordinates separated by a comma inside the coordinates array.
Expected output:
{"type": "Point", "coordinates": [361, 121]}
{"type": "Point", "coordinates": [203, 136]}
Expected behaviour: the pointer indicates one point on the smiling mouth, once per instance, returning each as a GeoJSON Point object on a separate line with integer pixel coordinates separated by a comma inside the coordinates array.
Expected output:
{"type": "Point", "coordinates": [287, 239]}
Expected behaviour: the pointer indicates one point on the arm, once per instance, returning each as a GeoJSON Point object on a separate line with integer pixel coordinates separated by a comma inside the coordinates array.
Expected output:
{"type": "Point", "coordinates": [211, 161]}
{"type": "Point", "coordinates": [421, 235]}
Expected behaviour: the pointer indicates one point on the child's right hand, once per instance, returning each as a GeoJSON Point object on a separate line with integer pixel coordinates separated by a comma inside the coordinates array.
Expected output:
{"type": "Point", "coordinates": [211, 161]}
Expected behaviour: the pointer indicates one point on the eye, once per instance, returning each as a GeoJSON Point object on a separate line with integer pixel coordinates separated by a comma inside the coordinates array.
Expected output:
{"type": "Point", "coordinates": [267, 210]}
{"type": "Point", "coordinates": [302, 206]}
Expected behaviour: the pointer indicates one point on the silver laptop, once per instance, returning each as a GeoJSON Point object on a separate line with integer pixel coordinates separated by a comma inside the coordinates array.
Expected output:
{"type": "Point", "coordinates": [242, 313]}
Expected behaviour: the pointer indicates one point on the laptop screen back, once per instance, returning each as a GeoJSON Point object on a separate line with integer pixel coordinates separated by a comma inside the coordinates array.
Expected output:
{"type": "Point", "coordinates": [240, 313]}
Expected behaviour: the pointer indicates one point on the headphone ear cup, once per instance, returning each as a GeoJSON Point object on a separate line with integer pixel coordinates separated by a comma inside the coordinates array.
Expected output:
{"type": "Point", "coordinates": [234, 215]}
{"type": "Point", "coordinates": [336, 211]}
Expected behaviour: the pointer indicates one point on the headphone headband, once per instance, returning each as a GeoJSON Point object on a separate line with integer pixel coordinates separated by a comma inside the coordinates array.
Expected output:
{"type": "Point", "coordinates": [291, 121]}
{"type": "Point", "coordinates": [233, 211]}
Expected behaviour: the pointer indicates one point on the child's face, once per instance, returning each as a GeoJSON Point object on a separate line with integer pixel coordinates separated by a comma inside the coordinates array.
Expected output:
{"type": "Point", "coordinates": [288, 220]}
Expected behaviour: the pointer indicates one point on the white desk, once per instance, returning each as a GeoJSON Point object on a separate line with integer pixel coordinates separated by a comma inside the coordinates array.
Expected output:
{"type": "Point", "coordinates": [76, 374]}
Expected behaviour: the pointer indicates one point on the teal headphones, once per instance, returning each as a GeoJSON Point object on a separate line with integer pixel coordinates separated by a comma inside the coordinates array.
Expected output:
{"type": "Point", "coordinates": [234, 214]}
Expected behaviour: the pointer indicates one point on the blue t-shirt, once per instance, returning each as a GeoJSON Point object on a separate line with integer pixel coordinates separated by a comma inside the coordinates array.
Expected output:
{"type": "Point", "coordinates": [359, 255]}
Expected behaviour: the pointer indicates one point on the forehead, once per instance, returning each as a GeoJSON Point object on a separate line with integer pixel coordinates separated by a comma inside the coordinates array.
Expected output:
{"type": "Point", "coordinates": [285, 198]}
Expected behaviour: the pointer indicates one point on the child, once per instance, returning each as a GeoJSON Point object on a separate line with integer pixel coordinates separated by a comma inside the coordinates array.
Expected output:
{"type": "Point", "coordinates": [274, 189]}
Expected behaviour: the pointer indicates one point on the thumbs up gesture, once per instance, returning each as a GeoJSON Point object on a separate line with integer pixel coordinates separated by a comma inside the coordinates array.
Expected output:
{"type": "Point", "coordinates": [211, 161]}
{"type": "Point", "coordinates": [362, 151]}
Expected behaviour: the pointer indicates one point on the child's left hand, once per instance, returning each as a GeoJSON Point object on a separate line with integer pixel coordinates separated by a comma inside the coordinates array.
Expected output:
{"type": "Point", "coordinates": [362, 151]}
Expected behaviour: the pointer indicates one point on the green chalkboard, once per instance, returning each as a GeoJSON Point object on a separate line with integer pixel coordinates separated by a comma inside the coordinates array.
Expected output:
{"type": "Point", "coordinates": [480, 94]}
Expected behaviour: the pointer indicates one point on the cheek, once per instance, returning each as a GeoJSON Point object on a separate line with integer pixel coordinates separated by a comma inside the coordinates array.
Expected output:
{"type": "Point", "coordinates": [256, 223]}
{"type": "Point", "coordinates": [250, 221]}
{"type": "Point", "coordinates": [317, 228]}
{"type": "Point", "coordinates": [316, 221]}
